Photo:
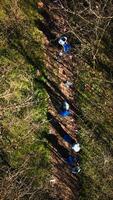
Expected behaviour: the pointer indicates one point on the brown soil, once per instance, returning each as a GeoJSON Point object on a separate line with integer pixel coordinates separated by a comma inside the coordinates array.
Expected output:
{"type": "Point", "coordinates": [63, 181]}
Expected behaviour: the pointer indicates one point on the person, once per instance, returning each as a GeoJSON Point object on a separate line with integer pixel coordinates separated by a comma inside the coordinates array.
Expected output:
{"type": "Point", "coordinates": [76, 170]}
{"type": "Point", "coordinates": [68, 84]}
{"type": "Point", "coordinates": [68, 138]}
{"type": "Point", "coordinates": [76, 147]}
{"type": "Point", "coordinates": [67, 48]}
{"type": "Point", "coordinates": [65, 113]}
{"type": "Point", "coordinates": [63, 42]}
{"type": "Point", "coordinates": [71, 160]}
{"type": "Point", "coordinates": [73, 163]}
{"type": "Point", "coordinates": [65, 110]}
{"type": "Point", "coordinates": [65, 105]}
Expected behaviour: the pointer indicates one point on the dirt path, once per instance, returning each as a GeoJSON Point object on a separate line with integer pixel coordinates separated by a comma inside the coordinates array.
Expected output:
{"type": "Point", "coordinates": [66, 185]}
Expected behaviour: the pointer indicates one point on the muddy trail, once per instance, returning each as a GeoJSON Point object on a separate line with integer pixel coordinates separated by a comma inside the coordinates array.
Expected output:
{"type": "Point", "coordinates": [66, 186]}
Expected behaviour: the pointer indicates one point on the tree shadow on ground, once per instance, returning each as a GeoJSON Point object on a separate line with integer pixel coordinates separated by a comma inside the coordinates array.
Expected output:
{"type": "Point", "coordinates": [37, 63]}
{"type": "Point", "coordinates": [15, 42]}
{"type": "Point", "coordinates": [45, 29]}
{"type": "Point", "coordinates": [5, 134]}
{"type": "Point", "coordinates": [26, 46]}
{"type": "Point", "coordinates": [56, 99]}
{"type": "Point", "coordinates": [47, 26]}
{"type": "Point", "coordinates": [71, 181]}
{"type": "Point", "coordinates": [64, 174]}
{"type": "Point", "coordinates": [56, 96]}
{"type": "Point", "coordinates": [53, 139]}
{"type": "Point", "coordinates": [48, 18]}
{"type": "Point", "coordinates": [4, 158]}
{"type": "Point", "coordinates": [61, 94]}
{"type": "Point", "coordinates": [89, 183]}
{"type": "Point", "coordinates": [107, 41]}
{"type": "Point", "coordinates": [98, 131]}
{"type": "Point", "coordinates": [6, 139]}
{"type": "Point", "coordinates": [56, 125]}
{"type": "Point", "coordinates": [34, 61]}
{"type": "Point", "coordinates": [100, 66]}
{"type": "Point", "coordinates": [105, 68]}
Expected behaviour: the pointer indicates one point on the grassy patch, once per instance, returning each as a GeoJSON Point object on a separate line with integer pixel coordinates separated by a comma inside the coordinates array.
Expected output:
{"type": "Point", "coordinates": [95, 119]}
{"type": "Point", "coordinates": [24, 101]}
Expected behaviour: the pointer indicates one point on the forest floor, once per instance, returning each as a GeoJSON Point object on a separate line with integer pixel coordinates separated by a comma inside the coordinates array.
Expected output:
{"type": "Point", "coordinates": [59, 70]}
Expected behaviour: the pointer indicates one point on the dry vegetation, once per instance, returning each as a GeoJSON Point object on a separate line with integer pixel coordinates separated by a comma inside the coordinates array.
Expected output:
{"type": "Point", "coordinates": [91, 23]}
{"type": "Point", "coordinates": [88, 25]}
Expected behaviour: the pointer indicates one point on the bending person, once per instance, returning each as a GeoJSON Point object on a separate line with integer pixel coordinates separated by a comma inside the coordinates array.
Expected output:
{"type": "Point", "coordinates": [63, 42]}
{"type": "Point", "coordinates": [73, 164]}
{"type": "Point", "coordinates": [65, 110]}
{"type": "Point", "coordinates": [75, 145]}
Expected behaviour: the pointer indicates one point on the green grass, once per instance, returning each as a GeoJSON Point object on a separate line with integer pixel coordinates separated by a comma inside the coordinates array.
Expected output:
{"type": "Point", "coordinates": [24, 101]}
{"type": "Point", "coordinates": [95, 121]}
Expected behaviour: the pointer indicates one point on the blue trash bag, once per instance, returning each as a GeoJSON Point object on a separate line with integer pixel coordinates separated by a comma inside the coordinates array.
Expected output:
{"type": "Point", "coordinates": [67, 48]}
{"type": "Point", "coordinates": [65, 113]}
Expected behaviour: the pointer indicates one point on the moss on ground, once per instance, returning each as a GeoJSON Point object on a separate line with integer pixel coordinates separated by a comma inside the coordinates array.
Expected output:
{"type": "Point", "coordinates": [23, 99]}
{"type": "Point", "coordinates": [95, 119]}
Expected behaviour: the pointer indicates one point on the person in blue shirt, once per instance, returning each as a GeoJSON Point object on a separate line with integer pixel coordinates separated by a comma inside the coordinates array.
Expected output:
{"type": "Point", "coordinates": [68, 138]}
{"type": "Point", "coordinates": [67, 48]}
{"type": "Point", "coordinates": [65, 110]}
{"type": "Point", "coordinates": [65, 113]}
{"type": "Point", "coordinates": [73, 163]}
{"type": "Point", "coordinates": [63, 42]}
{"type": "Point", "coordinates": [76, 170]}
{"type": "Point", "coordinates": [71, 160]}
{"type": "Point", "coordinates": [75, 145]}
